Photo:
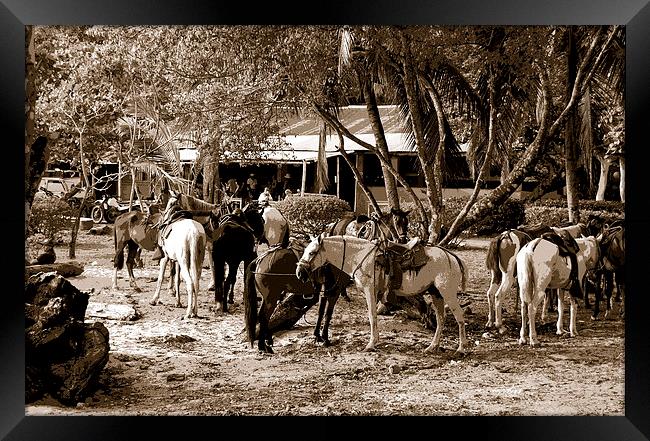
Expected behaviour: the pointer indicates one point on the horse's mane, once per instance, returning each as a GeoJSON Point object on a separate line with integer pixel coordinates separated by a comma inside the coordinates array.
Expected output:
{"type": "Point", "coordinates": [192, 203]}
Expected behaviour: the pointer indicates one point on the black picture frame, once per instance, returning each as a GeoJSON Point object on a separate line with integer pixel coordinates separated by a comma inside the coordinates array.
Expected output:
{"type": "Point", "coordinates": [634, 14]}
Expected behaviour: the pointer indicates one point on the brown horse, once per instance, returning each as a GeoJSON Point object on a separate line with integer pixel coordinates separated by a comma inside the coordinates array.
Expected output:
{"type": "Point", "coordinates": [134, 230]}
{"type": "Point", "coordinates": [611, 268]}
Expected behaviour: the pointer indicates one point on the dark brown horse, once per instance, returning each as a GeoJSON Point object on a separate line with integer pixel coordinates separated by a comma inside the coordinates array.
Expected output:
{"type": "Point", "coordinates": [133, 230]}
{"type": "Point", "coordinates": [233, 242]}
{"type": "Point", "coordinates": [611, 268]}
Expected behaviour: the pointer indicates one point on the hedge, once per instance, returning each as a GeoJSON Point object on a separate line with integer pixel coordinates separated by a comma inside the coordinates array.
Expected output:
{"type": "Point", "coordinates": [308, 214]}
{"type": "Point", "coordinates": [509, 215]}
{"type": "Point", "coordinates": [554, 212]}
{"type": "Point", "coordinates": [49, 216]}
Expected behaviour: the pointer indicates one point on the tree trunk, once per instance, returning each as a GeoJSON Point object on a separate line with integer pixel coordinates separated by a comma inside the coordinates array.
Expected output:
{"type": "Point", "coordinates": [621, 182]}
{"type": "Point", "coordinates": [485, 168]}
{"type": "Point", "coordinates": [64, 269]}
{"type": "Point", "coordinates": [336, 124]}
{"type": "Point", "coordinates": [211, 180]}
{"type": "Point", "coordinates": [410, 83]}
{"type": "Point", "coordinates": [602, 179]}
{"type": "Point", "coordinates": [570, 139]}
{"type": "Point", "coordinates": [380, 139]}
{"type": "Point", "coordinates": [357, 174]}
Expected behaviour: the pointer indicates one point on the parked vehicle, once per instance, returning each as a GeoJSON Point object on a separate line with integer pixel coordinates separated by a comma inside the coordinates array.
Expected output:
{"type": "Point", "coordinates": [68, 189]}
{"type": "Point", "coordinates": [108, 208]}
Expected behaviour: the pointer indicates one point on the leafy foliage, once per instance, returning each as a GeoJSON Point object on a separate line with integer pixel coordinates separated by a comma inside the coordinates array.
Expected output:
{"type": "Point", "coordinates": [308, 214]}
{"type": "Point", "coordinates": [49, 216]}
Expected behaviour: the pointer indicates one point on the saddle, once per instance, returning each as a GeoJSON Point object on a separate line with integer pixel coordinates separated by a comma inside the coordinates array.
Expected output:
{"type": "Point", "coordinates": [568, 247]}
{"type": "Point", "coordinates": [395, 258]}
{"type": "Point", "coordinates": [238, 218]}
{"type": "Point", "coordinates": [166, 227]}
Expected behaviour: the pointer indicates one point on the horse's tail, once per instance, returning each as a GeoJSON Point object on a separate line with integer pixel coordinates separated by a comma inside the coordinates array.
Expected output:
{"type": "Point", "coordinates": [492, 257]}
{"type": "Point", "coordinates": [463, 271]}
{"type": "Point", "coordinates": [250, 301]}
{"type": "Point", "coordinates": [526, 276]}
{"type": "Point", "coordinates": [196, 255]}
{"type": "Point", "coordinates": [118, 259]}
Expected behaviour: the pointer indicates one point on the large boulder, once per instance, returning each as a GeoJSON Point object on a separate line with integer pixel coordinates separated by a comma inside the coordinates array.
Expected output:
{"type": "Point", "coordinates": [63, 355]}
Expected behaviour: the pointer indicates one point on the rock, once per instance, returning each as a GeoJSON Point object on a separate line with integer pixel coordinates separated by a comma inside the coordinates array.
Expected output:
{"type": "Point", "coordinates": [394, 369]}
{"type": "Point", "coordinates": [175, 377]}
{"type": "Point", "coordinates": [66, 269]}
{"type": "Point", "coordinates": [45, 256]}
{"type": "Point", "coordinates": [63, 355]}
{"type": "Point", "coordinates": [85, 223]}
{"type": "Point", "coordinates": [77, 375]}
{"type": "Point", "coordinates": [101, 230]}
{"type": "Point", "coordinates": [112, 311]}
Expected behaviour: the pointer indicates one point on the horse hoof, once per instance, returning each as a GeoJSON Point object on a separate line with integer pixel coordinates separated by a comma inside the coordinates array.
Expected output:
{"type": "Point", "coordinates": [502, 330]}
{"type": "Point", "coordinates": [369, 348]}
{"type": "Point", "coordinates": [522, 341]}
{"type": "Point", "coordinates": [318, 339]}
{"type": "Point", "coordinates": [432, 349]}
{"type": "Point", "coordinates": [210, 288]}
{"type": "Point", "coordinates": [594, 319]}
{"type": "Point", "coordinates": [327, 344]}
{"type": "Point", "coordinates": [155, 302]}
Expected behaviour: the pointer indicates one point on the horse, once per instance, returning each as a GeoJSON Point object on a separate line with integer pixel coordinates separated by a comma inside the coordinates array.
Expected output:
{"type": "Point", "coordinates": [333, 282]}
{"type": "Point", "coordinates": [183, 242]}
{"type": "Point", "coordinates": [501, 261]}
{"type": "Point", "coordinates": [611, 267]}
{"type": "Point", "coordinates": [441, 275]}
{"type": "Point", "coordinates": [233, 242]}
{"type": "Point", "coordinates": [272, 275]}
{"type": "Point", "coordinates": [134, 230]}
{"type": "Point", "coordinates": [539, 267]}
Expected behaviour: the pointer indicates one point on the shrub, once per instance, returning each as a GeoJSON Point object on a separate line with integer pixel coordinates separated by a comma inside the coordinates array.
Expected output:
{"type": "Point", "coordinates": [508, 215]}
{"type": "Point", "coordinates": [308, 214]}
{"type": "Point", "coordinates": [554, 212]}
{"type": "Point", "coordinates": [49, 215]}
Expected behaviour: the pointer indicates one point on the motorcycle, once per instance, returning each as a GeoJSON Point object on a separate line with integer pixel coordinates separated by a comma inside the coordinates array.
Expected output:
{"type": "Point", "coordinates": [107, 209]}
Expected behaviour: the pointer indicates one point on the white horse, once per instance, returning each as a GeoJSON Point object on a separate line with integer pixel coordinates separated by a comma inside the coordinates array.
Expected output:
{"type": "Point", "coordinates": [540, 266]}
{"type": "Point", "coordinates": [441, 276]}
{"type": "Point", "coordinates": [501, 261]}
{"type": "Point", "coordinates": [184, 245]}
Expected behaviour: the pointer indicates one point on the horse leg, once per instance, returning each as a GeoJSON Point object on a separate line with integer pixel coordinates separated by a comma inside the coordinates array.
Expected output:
{"type": "Point", "coordinates": [371, 301]}
{"type": "Point", "coordinates": [161, 273]}
{"type": "Point", "coordinates": [532, 312]}
{"type": "Point", "coordinates": [265, 339]}
{"type": "Point", "coordinates": [229, 286]}
{"type": "Point", "coordinates": [177, 284]}
{"type": "Point", "coordinates": [450, 295]}
{"type": "Point", "coordinates": [322, 304]}
{"type": "Point", "coordinates": [620, 289]}
{"type": "Point", "coordinates": [211, 264]}
{"type": "Point", "coordinates": [504, 288]}
{"type": "Point", "coordinates": [130, 262]}
{"type": "Point", "coordinates": [609, 287]}
{"type": "Point", "coordinates": [331, 302]}
{"type": "Point", "coordinates": [173, 270]}
{"type": "Point", "coordinates": [439, 308]}
{"type": "Point", "coordinates": [522, 332]}
{"type": "Point", "coordinates": [189, 285]}
{"type": "Point", "coordinates": [573, 330]}
{"type": "Point", "coordinates": [494, 286]}
{"type": "Point", "coordinates": [560, 312]}
{"type": "Point", "coordinates": [119, 257]}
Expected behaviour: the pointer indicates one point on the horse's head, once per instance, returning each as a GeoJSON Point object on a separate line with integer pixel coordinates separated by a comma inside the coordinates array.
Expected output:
{"type": "Point", "coordinates": [401, 223]}
{"type": "Point", "coordinates": [254, 218]}
{"type": "Point", "coordinates": [311, 259]}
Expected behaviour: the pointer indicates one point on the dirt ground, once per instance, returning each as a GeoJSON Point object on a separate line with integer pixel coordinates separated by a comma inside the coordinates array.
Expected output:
{"type": "Point", "coordinates": [162, 365]}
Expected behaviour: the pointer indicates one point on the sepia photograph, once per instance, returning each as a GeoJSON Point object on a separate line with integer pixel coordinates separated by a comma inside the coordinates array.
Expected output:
{"type": "Point", "coordinates": [326, 220]}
